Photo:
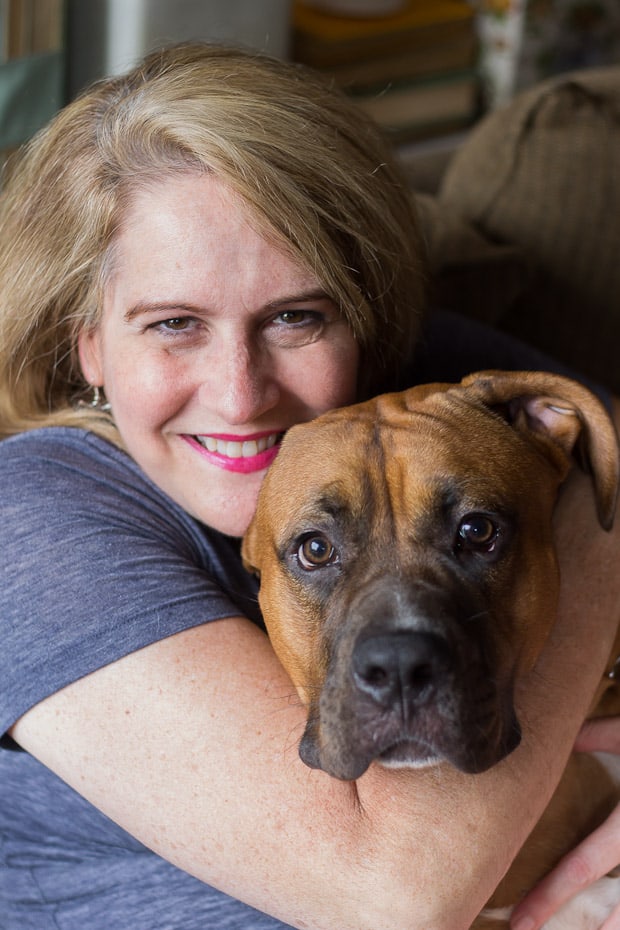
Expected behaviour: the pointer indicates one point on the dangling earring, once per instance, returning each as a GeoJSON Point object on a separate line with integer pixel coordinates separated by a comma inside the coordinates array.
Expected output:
{"type": "Point", "coordinates": [98, 401]}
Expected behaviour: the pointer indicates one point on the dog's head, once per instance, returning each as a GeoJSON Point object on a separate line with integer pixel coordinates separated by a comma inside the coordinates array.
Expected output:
{"type": "Point", "coordinates": [408, 574]}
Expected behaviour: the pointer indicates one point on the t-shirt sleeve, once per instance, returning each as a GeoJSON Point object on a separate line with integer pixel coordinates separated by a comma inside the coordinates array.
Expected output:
{"type": "Point", "coordinates": [96, 563]}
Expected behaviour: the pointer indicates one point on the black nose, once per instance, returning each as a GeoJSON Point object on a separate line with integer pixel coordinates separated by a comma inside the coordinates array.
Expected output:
{"type": "Point", "coordinates": [407, 666]}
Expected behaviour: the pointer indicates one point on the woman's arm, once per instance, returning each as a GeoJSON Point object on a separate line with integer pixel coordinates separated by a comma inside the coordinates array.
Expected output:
{"type": "Point", "coordinates": [191, 745]}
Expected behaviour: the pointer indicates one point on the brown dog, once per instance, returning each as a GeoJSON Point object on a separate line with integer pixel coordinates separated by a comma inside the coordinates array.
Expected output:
{"type": "Point", "coordinates": [408, 575]}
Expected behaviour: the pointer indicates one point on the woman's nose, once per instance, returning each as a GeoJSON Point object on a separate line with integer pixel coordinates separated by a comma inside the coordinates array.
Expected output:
{"type": "Point", "coordinates": [241, 386]}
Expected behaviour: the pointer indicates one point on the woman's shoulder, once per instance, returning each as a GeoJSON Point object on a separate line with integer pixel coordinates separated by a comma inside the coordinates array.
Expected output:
{"type": "Point", "coordinates": [100, 563]}
{"type": "Point", "coordinates": [66, 487]}
{"type": "Point", "coordinates": [69, 489]}
{"type": "Point", "coordinates": [60, 467]}
{"type": "Point", "coordinates": [63, 448]}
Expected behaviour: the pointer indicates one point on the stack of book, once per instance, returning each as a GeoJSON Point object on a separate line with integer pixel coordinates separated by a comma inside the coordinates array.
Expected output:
{"type": "Point", "coordinates": [413, 71]}
{"type": "Point", "coordinates": [29, 27]}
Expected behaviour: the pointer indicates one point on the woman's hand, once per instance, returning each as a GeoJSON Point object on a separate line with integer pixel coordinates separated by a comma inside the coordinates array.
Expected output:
{"type": "Point", "coordinates": [597, 855]}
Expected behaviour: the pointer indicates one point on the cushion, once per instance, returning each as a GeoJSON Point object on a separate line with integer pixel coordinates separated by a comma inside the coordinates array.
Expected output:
{"type": "Point", "coordinates": [543, 175]}
{"type": "Point", "coordinates": [468, 272]}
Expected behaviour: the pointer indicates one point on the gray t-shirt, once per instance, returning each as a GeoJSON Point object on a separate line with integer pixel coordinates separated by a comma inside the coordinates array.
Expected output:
{"type": "Point", "coordinates": [96, 563]}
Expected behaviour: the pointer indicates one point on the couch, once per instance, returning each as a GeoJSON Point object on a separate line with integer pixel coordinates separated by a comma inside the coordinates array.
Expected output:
{"type": "Point", "coordinates": [524, 229]}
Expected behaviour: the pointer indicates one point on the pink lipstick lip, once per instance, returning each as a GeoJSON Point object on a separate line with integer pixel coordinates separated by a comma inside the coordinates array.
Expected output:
{"type": "Point", "coordinates": [243, 465]}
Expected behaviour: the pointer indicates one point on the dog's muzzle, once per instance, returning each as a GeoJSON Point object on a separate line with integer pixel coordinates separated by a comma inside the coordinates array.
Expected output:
{"type": "Point", "coordinates": [412, 687]}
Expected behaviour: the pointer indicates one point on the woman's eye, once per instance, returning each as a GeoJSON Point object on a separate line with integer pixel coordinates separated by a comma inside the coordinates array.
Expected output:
{"type": "Point", "coordinates": [176, 324]}
{"type": "Point", "coordinates": [293, 328]}
{"type": "Point", "coordinates": [298, 317]}
{"type": "Point", "coordinates": [173, 325]}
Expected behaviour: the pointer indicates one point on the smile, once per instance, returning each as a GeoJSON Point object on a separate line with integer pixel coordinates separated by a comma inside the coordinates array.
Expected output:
{"type": "Point", "coordinates": [237, 453]}
{"type": "Point", "coordinates": [237, 448]}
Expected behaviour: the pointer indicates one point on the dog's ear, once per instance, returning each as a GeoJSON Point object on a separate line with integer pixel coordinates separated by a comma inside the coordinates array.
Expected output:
{"type": "Point", "coordinates": [564, 412]}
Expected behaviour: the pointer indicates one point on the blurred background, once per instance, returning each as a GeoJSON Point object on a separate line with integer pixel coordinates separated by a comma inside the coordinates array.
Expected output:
{"type": "Point", "coordinates": [426, 70]}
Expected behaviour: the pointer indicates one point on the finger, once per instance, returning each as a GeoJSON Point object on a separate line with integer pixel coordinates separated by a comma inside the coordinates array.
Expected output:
{"type": "Point", "coordinates": [597, 855]}
{"type": "Point", "coordinates": [601, 735]}
{"type": "Point", "coordinates": [567, 879]}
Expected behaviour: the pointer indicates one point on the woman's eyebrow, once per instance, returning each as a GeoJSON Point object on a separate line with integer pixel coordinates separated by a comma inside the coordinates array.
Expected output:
{"type": "Point", "coordinates": [145, 306]}
{"type": "Point", "coordinates": [300, 297]}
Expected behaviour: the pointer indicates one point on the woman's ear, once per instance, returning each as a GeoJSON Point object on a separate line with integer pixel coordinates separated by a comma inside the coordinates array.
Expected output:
{"type": "Point", "coordinates": [90, 355]}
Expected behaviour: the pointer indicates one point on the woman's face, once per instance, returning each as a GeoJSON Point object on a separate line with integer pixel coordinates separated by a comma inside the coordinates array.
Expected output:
{"type": "Point", "coordinates": [212, 343]}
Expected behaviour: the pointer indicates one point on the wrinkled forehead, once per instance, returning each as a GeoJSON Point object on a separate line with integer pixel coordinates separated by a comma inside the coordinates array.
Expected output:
{"type": "Point", "coordinates": [403, 463]}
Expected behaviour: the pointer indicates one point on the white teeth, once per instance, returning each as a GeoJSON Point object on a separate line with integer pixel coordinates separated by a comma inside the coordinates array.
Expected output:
{"type": "Point", "coordinates": [249, 448]}
{"type": "Point", "coordinates": [238, 450]}
{"type": "Point", "coordinates": [232, 449]}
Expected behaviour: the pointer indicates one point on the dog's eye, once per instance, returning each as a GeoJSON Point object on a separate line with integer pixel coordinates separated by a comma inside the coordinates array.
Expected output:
{"type": "Point", "coordinates": [477, 532]}
{"type": "Point", "coordinates": [316, 552]}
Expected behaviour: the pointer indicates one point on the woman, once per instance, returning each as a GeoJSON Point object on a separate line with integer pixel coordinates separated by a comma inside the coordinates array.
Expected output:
{"type": "Point", "coordinates": [196, 257]}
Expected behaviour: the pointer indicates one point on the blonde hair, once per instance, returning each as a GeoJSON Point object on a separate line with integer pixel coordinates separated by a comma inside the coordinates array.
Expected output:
{"type": "Point", "coordinates": [316, 173]}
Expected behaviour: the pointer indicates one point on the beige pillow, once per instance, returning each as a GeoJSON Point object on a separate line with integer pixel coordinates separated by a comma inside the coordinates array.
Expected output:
{"type": "Point", "coordinates": [543, 175]}
{"type": "Point", "coordinates": [468, 273]}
